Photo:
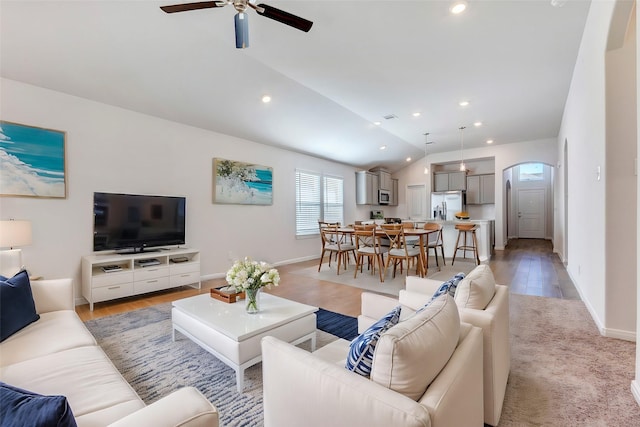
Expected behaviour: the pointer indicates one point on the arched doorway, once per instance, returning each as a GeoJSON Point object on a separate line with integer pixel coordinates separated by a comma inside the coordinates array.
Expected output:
{"type": "Point", "coordinates": [529, 201]}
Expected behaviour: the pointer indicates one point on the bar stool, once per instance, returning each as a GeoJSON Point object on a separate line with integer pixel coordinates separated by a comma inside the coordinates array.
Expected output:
{"type": "Point", "coordinates": [463, 231]}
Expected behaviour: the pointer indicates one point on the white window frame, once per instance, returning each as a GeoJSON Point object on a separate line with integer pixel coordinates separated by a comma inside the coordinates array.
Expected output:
{"type": "Point", "coordinates": [327, 208]}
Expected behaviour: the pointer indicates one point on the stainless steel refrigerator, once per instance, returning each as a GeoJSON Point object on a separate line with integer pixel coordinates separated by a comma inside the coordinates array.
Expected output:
{"type": "Point", "coordinates": [445, 204]}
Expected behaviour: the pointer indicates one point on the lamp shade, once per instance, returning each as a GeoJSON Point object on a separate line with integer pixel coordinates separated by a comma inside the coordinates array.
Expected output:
{"type": "Point", "coordinates": [15, 233]}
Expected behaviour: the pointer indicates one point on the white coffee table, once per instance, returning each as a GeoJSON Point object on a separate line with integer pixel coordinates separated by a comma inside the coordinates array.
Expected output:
{"type": "Point", "coordinates": [232, 335]}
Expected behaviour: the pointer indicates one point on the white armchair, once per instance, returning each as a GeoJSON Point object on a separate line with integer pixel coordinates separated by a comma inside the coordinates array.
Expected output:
{"type": "Point", "coordinates": [316, 390]}
{"type": "Point", "coordinates": [484, 304]}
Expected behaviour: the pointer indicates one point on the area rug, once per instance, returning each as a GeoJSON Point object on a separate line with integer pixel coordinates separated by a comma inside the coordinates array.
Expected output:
{"type": "Point", "coordinates": [139, 345]}
{"type": "Point", "coordinates": [337, 324]}
{"type": "Point", "coordinates": [371, 282]}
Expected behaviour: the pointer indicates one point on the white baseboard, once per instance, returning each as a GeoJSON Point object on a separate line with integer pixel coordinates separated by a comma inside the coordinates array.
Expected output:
{"type": "Point", "coordinates": [284, 262]}
{"type": "Point", "coordinates": [620, 334]}
{"type": "Point", "coordinates": [635, 390]}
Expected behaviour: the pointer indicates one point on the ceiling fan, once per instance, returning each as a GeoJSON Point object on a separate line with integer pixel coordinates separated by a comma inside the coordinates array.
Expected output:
{"type": "Point", "coordinates": [241, 18]}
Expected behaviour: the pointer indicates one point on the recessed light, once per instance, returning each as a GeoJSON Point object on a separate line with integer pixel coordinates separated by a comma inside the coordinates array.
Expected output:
{"type": "Point", "coordinates": [408, 159]}
{"type": "Point", "coordinates": [458, 7]}
{"type": "Point", "coordinates": [377, 123]}
{"type": "Point", "coordinates": [477, 124]}
{"type": "Point", "coordinates": [416, 114]}
{"type": "Point", "coordinates": [489, 141]}
{"type": "Point", "coordinates": [383, 147]}
{"type": "Point", "coordinates": [266, 99]}
{"type": "Point", "coordinates": [463, 103]}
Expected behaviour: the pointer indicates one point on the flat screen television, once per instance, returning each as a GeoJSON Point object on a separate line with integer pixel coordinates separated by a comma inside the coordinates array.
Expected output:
{"type": "Point", "coordinates": [134, 222]}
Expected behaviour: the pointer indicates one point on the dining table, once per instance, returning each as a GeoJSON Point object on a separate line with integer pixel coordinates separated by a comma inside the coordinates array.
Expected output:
{"type": "Point", "coordinates": [421, 233]}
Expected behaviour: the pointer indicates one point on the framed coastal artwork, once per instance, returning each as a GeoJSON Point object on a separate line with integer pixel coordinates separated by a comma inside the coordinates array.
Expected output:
{"type": "Point", "coordinates": [242, 183]}
{"type": "Point", "coordinates": [32, 161]}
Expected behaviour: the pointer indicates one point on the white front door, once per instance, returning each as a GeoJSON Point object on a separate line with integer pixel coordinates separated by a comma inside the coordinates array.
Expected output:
{"type": "Point", "coordinates": [417, 201]}
{"type": "Point", "coordinates": [531, 213]}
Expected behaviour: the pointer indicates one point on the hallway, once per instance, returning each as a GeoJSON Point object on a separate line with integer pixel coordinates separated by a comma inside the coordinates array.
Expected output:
{"type": "Point", "coordinates": [529, 267]}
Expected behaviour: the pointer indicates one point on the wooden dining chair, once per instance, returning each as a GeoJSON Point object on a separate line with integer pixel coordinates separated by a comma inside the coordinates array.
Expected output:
{"type": "Point", "coordinates": [411, 240]}
{"type": "Point", "coordinates": [400, 251]}
{"type": "Point", "coordinates": [368, 245]}
{"type": "Point", "coordinates": [332, 243]}
{"type": "Point", "coordinates": [435, 241]}
{"type": "Point", "coordinates": [323, 224]}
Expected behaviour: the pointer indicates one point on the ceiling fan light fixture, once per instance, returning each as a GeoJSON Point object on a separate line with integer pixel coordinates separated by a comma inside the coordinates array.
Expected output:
{"type": "Point", "coordinates": [242, 30]}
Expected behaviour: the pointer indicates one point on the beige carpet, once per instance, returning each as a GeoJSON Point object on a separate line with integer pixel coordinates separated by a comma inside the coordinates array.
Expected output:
{"type": "Point", "coordinates": [371, 282]}
{"type": "Point", "coordinates": [563, 372]}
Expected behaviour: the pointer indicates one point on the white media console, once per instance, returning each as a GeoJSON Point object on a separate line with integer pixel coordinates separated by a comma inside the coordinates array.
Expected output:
{"type": "Point", "coordinates": [111, 276]}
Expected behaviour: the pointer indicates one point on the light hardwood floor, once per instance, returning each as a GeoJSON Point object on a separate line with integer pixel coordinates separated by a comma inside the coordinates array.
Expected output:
{"type": "Point", "coordinates": [528, 266]}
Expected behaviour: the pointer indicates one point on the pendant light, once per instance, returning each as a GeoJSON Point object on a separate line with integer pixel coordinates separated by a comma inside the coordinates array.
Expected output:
{"type": "Point", "coordinates": [426, 165]}
{"type": "Point", "coordinates": [463, 168]}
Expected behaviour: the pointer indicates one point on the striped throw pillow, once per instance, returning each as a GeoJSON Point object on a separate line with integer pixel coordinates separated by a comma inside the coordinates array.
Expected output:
{"type": "Point", "coordinates": [361, 349]}
{"type": "Point", "coordinates": [449, 287]}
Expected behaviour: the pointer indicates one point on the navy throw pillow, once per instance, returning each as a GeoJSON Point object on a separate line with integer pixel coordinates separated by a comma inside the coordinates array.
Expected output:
{"type": "Point", "coordinates": [20, 407]}
{"type": "Point", "coordinates": [17, 308]}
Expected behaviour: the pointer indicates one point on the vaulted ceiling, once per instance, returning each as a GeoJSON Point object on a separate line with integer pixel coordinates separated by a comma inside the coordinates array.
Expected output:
{"type": "Point", "coordinates": [362, 60]}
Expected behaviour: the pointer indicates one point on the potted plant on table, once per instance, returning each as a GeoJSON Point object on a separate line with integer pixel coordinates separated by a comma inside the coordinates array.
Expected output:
{"type": "Point", "coordinates": [250, 276]}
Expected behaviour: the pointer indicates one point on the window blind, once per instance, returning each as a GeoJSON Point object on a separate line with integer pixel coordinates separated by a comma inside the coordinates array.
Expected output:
{"type": "Point", "coordinates": [318, 197]}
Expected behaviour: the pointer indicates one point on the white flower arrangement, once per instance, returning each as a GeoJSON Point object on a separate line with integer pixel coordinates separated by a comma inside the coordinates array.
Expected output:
{"type": "Point", "coordinates": [248, 274]}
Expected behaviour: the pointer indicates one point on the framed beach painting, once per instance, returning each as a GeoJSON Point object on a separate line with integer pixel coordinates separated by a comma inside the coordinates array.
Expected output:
{"type": "Point", "coordinates": [242, 183]}
{"type": "Point", "coordinates": [32, 161]}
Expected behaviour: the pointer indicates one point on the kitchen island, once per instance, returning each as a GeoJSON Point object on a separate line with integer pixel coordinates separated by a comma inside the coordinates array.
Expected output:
{"type": "Point", "coordinates": [484, 235]}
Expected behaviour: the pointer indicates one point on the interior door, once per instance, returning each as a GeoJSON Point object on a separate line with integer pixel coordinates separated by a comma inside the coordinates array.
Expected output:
{"type": "Point", "coordinates": [531, 213]}
{"type": "Point", "coordinates": [416, 201]}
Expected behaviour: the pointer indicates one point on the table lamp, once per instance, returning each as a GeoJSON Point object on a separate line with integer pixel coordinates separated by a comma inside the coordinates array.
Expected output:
{"type": "Point", "coordinates": [13, 234]}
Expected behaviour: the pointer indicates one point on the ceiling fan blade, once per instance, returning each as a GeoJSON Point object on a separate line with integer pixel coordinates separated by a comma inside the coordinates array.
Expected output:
{"type": "Point", "coordinates": [285, 17]}
{"type": "Point", "coordinates": [192, 6]}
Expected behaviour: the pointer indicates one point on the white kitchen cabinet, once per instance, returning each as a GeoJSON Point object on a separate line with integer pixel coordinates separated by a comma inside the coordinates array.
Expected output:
{"type": "Point", "coordinates": [385, 181]}
{"type": "Point", "coordinates": [440, 182]}
{"type": "Point", "coordinates": [366, 188]}
{"type": "Point", "coordinates": [481, 189]}
{"type": "Point", "coordinates": [394, 192]}
{"type": "Point", "coordinates": [449, 181]}
{"type": "Point", "coordinates": [457, 181]}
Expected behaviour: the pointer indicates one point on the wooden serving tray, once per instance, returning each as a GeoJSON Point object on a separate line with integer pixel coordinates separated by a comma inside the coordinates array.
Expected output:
{"type": "Point", "coordinates": [226, 294]}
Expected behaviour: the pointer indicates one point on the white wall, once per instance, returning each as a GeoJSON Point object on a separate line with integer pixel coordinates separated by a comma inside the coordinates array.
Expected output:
{"type": "Point", "coordinates": [635, 385]}
{"type": "Point", "coordinates": [583, 126]}
{"type": "Point", "coordinates": [505, 156]}
{"type": "Point", "coordinates": [602, 254]}
{"type": "Point", "coordinates": [621, 185]}
{"type": "Point", "coordinates": [115, 150]}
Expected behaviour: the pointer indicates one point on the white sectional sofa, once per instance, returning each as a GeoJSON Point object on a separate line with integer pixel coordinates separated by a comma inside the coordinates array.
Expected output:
{"type": "Point", "coordinates": [316, 390]}
{"type": "Point", "coordinates": [57, 355]}
{"type": "Point", "coordinates": [481, 303]}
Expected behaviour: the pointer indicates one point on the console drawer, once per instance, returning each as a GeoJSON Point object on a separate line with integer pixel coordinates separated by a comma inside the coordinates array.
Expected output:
{"type": "Point", "coordinates": [185, 278]}
{"type": "Point", "coordinates": [108, 279]}
{"type": "Point", "coordinates": [151, 285]}
{"type": "Point", "coordinates": [187, 267]}
{"type": "Point", "coordinates": [112, 292]}
{"type": "Point", "coordinates": [145, 273]}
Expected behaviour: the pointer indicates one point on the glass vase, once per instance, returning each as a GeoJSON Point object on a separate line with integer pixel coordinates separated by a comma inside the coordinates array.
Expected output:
{"type": "Point", "coordinates": [252, 300]}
